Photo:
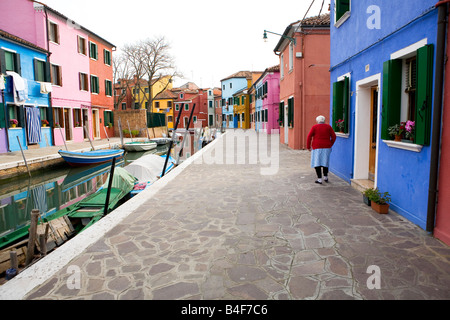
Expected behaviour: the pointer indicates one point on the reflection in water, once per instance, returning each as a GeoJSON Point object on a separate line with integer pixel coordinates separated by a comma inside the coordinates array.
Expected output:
{"type": "Point", "coordinates": [54, 190]}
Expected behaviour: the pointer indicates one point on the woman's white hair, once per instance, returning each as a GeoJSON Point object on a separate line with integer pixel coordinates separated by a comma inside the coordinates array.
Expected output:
{"type": "Point", "coordinates": [320, 119]}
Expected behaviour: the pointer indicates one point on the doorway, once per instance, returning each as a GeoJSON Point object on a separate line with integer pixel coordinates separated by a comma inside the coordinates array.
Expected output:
{"type": "Point", "coordinates": [286, 125]}
{"type": "Point", "coordinates": [367, 109]}
{"type": "Point", "coordinates": [67, 126]}
{"type": "Point", "coordinates": [95, 124]}
{"type": "Point", "coordinates": [373, 131]}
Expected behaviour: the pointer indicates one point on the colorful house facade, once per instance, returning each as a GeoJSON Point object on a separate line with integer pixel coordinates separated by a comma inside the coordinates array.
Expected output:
{"type": "Point", "coordinates": [304, 78]}
{"type": "Point", "coordinates": [74, 51]}
{"type": "Point", "coordinates": [24, 106]}
{"type": "Point", "coordinates": [267, 101]}
{"type": "Point", "coordinates": [230, 85]}
{"type": "Point", "coordinates": [442, 222]}
{"type": "Point", "coordinates": [382, 75]}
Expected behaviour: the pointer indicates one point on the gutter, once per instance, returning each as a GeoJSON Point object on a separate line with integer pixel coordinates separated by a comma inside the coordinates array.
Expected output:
{"type": "Point", "coordinates": [437, 113]}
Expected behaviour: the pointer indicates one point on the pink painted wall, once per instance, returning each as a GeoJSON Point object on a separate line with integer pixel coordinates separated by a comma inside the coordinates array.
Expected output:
{"type": "Point", "coordinates": [272, 101]}
{"type": "Point", "coordinates": [65, 54]}
{"type": "Point", "coordinates": [19, 18]}
{"type": "Point", "coordinates": [442, 227]}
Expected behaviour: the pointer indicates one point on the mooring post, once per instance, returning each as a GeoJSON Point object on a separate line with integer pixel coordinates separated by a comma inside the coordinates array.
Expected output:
{"type": "Point", "coordinates": [32, 236]}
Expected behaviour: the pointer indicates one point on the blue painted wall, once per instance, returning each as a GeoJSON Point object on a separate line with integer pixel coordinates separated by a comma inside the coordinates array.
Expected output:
{"type": "Point", "coordinates": [227, 92]}
{"type": "Point", "coordinates": [258, 107]}
{"type": "Point", "coordinates": [404, 174]}
{"type": "Point", "coordinates": [35, 98]}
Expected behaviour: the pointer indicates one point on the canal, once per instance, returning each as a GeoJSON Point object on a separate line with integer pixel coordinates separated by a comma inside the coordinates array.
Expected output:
{"type": "Point", "coordinates": [54, 189]}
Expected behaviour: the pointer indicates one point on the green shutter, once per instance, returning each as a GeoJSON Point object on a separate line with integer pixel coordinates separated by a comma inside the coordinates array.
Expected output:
{"type": "Point", "coordinates": [345, 103]}
{"type": "Point", "coordinates": [338, 90]}
{"type": "Point", "coordinates": [392, 90]}
{"type": "Point", "coordinates": [2, 116]}
{"type": "Point", "coordinates": [291, 112]}
{"type": "Point", "coordinates": [424, 94]}
{"type": "Point", "coordinates": [281, 114]}
{"type": "Point", "coordinates": [342, 6]}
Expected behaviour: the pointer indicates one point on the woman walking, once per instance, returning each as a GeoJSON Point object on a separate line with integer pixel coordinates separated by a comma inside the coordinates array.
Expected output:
{"type": "Point", "coordinates": [320, 140]}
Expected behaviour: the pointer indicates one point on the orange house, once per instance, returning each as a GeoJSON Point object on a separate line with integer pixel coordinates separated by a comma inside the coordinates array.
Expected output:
{"type": "Point", "coordinates": [101, 87]}
{"type": "Point", "coordinates": [304, 52]}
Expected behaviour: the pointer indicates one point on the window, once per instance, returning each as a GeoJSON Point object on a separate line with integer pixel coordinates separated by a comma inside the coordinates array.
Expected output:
{"type": "Point", "coordinates": [281, 114]}
{"type": "Point", "coordinates": [84, 81]}
{"type": "Point", "coordinates": [407, 93]}
{"type": "Point", "coordinates": [108, 88]}
{"type": "Point", "coordinates": [53, 32]}
{"type": "Point", "coordinates": [93, 53]}
{"type": "Point", "coordinates": [186, 107]}
{"type": "Point", "coordinates": [41, 70]}
{"type": "Point", "coordinates": [210, 103]}
{"type": "Point", "coordinates": [9, 61]}
{"type": "Point", "coordinates": [231, 85]}
{"type": "Point", "coordinates": [342, 10]}
{"type": "Point", "coordinates": [77, 118]}
{"type": "Point", "coordinates": [108, 117]}
{"type": "Point", "coordinates": [341, 95]}
{"type": "Point", "coordinates": [124, 106]}
{"type": "Point", "coordinates": [56, 75]}
{"type": "Point", "coordinates": [266, 114]}
{"type": "Point", "coordinates": [107, 57]}
{"type": "Point", "coordinates": [291, 56]}
{"type": "Point", "coordinates": [291, 112]}
{"type": "Point", "coordinates": [82, 45]}
{"type": "Point", "coordinates": [15, 112]}
{"type": "Point", "coordinates": [169, 104]}
{"type": "Point", "coordinates": [177, 107]}
{"type": "Point", "coordinates": [194, 118]}
{"type": "Point", "coordinates": [94, 84]}
{"type": "Point", "coordinates": [282, 66]}
{"type": "Point", "coordinates": [58, 117]}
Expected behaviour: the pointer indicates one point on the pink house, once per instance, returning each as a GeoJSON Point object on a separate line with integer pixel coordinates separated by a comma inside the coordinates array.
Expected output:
{"type": "Point", "coordinates": [270, 80]}
{"type": "Point", "coordinates": [71, 52]}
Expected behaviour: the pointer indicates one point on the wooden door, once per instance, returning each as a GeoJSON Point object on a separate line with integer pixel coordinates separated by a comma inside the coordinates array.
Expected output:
{"type": "Point", "coordinates": [373, 131]}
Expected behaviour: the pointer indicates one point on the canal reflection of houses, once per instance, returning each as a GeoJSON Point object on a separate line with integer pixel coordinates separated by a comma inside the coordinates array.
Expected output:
{"type": "Point", "coordinates": [55, 193]}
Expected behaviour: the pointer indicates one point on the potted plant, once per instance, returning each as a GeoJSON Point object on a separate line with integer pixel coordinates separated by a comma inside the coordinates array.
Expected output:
{"type": "Point", "coordinates": [109, 125]}
{"type": "Point", "coordinates": [397, 131]}
{"type": "Point", "coordinates": [410, 127]}
{"type": "Point", "coordinates": [44, 123]}
{"type": "Point", "coordinates": [368, 195]}
{"type": "Point", "coordinates": [380, 201]}
{"type": "Point", "coordinates": [340, 125]}
{"type": "Point", "coordinates": [13, 122]}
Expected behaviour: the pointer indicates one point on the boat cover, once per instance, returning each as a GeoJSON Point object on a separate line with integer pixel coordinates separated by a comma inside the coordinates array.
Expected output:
{"type": "Point", "coordinates": [149, 167]}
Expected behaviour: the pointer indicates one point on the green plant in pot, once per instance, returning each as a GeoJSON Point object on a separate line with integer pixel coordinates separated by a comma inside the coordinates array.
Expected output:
{"type": "Point", "coordinates": [380, 201]}
{"type": "Point", "coordinates": [368, 194]}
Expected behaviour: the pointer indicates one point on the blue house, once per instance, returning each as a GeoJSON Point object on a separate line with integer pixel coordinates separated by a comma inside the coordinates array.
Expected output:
{"type": "Point", "coordinates": [24, 91]}
{"type": "Point", "coordinates": [230, 85]}
{"type": "Point", "coordinates": [382, 70]}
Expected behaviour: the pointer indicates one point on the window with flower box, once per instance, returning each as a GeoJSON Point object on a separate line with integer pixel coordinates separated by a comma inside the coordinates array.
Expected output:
{"type": "Point", "coordinates": [407, 95]}
{"type": "Point", "coordinates": [341, 102]}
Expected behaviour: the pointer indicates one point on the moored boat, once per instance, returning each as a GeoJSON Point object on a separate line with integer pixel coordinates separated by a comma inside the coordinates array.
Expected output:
{"type": "Point", "coordinates": [87, 158]}
{"type": "Point", "coordinates": [138, 146]}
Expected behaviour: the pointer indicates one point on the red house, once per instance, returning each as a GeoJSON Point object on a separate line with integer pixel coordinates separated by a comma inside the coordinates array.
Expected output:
{"type": "Point", "coordinates": [186, 100]}
{"type": "Point", "coordinates": [304, 51]}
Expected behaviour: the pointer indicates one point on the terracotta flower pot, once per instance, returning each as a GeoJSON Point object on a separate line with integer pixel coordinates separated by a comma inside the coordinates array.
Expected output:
{"type": "Point", "coordinates": [380, 208]}
{"type": "Point", "coordinates": [398, 138]}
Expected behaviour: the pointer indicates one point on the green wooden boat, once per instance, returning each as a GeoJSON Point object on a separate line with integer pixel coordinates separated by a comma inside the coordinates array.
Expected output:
{"type": "Point", "coordinates": [86, 212]}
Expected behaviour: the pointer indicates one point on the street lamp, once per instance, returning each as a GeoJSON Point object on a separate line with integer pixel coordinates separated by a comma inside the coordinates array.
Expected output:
{"type": "Point", "coordinates": [281, 35]}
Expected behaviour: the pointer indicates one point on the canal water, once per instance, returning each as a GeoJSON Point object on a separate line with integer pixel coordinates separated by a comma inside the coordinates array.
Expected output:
{"type": "Point", "coordinates": [54, 190]}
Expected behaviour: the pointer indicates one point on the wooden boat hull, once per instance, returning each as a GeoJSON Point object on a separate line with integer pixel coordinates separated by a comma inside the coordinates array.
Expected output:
{"type": "Point", "coordinates": [77, 159]}
{"type": "Point", "coordinates": [139, 146]}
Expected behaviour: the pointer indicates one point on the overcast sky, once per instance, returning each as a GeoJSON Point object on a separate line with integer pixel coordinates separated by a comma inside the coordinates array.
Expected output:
{"type": "Point", "coordinates": [210, 40]}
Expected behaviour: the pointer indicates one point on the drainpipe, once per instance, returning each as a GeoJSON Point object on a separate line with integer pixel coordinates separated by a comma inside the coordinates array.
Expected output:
{"type": "Point", "coordinates": [437, 112]}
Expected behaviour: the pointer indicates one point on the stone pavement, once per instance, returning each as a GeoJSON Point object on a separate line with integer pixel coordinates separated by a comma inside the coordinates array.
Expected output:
{"type": "Point", "coordinates": [220, 231]}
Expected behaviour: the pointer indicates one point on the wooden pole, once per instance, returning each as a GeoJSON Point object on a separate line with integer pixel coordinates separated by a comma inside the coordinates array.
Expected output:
{"type": "Point", "coordinates": [87, 134]}
{"type": "Point", "coordinates": [13, 260]}
{"type": "Point", "coordinates": [171, 143]}
{"type": "Point", "coordinates": [108, 193]}
{"type": "Point", "coordinates": [64, 139]}
{"type": "Point", "coordinates": [32, 236]}
{"type": "Point", "coordinates": [23, 156]}
{"type": "Point", "coordinates": [43, 244]}
{"type": "Point", "coordinates": [120, 132]}
{"type": "Point", "coordinates": [187, 130]}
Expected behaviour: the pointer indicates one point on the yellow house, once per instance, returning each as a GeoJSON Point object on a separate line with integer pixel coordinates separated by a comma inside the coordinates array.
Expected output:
{"type": "Point", "coordinates": [163, 103]}
{"type": "Point", "coordinates": [241, 109]}
{"type": "Point", "coordinates": [141, 92]}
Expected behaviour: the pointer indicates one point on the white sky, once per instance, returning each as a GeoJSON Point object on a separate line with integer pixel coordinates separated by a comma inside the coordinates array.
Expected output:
{"type": "Point", "coordinates": [210, 40]}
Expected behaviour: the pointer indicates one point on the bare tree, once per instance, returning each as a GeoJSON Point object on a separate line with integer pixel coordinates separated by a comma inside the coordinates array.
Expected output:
{"type": "Point", "coordinates": [122, 78]}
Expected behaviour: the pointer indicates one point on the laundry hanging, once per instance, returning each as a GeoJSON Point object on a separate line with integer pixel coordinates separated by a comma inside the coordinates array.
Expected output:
{"type": "Point", "coordinates": [20, 87]}
{"type": "Point", "coordinates": [33, 124]}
